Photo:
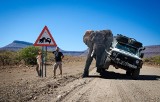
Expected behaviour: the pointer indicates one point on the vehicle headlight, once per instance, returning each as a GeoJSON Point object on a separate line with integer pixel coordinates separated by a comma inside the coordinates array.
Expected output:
{"type": "Point", "coordinates": [137, 61]}
{"type": "Point", "coordinates": [114, 53]}
{"type": "Point", "coordinates": [117, 59]}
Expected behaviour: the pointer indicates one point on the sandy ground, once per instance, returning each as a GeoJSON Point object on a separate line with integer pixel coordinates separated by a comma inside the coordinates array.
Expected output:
{"type": "Point", "coordinates": [21, 84]}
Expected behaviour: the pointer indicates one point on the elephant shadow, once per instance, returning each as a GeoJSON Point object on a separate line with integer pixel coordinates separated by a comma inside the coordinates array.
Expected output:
{"type": "Point", "coordinates": [121, 76]}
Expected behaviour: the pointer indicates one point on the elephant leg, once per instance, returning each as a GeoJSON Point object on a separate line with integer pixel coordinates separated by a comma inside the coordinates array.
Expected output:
{"type": "Point", "coordinates": [88, 63]}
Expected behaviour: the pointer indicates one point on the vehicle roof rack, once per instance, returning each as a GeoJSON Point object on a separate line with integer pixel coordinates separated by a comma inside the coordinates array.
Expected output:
{"type": "Point", "coordinates": [129, 41]}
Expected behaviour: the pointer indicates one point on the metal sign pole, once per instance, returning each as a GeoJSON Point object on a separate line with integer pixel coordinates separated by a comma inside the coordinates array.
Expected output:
{"type": "Point", "coordinates": [45, 61]}
{"type": "Point", "coordinates": [42, 63]}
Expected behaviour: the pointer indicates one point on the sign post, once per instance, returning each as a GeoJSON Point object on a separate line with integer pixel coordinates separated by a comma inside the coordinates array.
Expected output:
{"type": "Point", "coordinates": [45, 61]}
{"type": "Point", "coordinates": [44, 39]}
{"type": "Point", "coordinates": [42, 62]}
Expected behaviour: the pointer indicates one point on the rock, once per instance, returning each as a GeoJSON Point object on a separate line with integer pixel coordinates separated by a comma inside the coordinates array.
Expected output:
{"type": "Point", "coordinates": [55, 86]}
{"type": "Point", "coordinates": [20, 65]}
{"type": "Point", "coordinates": [35, 98]}
{"type": "Point", "coordinates": [58, 83]}
{"type": "Point", "coordinates": [59, 96]}
{"type": "Point", "coordinates": [49, 85]}
{"type": "Point", "coordinates": [35, 91]}
{"type": "Point", "coordinates": [31, 97]}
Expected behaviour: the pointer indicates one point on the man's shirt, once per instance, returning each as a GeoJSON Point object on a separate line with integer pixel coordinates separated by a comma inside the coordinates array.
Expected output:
{"type": "Point", "coordinates": [58, 56]}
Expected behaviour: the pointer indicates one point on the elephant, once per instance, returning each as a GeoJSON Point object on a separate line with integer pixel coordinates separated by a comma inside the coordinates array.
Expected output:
{"type": "Point", "coordinates": [99, 43]}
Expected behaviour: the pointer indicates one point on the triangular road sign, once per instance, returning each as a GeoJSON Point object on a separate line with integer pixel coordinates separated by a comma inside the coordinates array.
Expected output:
{"type": "Point", "coordinates": [45, 38]}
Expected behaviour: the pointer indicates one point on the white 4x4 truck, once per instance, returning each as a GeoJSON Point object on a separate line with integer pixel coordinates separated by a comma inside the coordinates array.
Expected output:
{"type": "Point", "coordinates": [125, 53]}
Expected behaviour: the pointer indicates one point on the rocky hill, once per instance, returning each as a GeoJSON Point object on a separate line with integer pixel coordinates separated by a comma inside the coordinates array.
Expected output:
{"type": "Point", "coordinates": [16, 45]}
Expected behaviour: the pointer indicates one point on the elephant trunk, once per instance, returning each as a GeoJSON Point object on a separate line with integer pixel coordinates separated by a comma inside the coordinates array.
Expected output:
{"type": "Point", "coordinates": [99, 54]}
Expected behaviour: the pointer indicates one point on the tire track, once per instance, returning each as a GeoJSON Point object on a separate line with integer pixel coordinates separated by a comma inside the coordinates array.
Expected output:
{"type": "Point", "coordinates": [79, 88]}
{"type": "Point", "coordinates": [122, 94]}
{"type": "Point", "coordinates": [137, 92]}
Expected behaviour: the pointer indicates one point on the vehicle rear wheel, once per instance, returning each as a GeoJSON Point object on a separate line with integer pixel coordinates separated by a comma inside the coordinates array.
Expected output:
{"type": "Point", "coordinates": [135, 73]}
{"type": "Point", "coordinates": [102, 73]}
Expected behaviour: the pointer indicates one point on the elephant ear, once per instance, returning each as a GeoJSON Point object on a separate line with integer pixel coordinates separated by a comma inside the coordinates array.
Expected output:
{"type": "Point", "coordinates": [87, 37]}
{"type": "Point", "coordinates": [108, 39]}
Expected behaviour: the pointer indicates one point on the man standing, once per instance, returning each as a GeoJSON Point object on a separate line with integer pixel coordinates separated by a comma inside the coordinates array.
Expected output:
{"type": "Point", "coordinates": [58, 61]}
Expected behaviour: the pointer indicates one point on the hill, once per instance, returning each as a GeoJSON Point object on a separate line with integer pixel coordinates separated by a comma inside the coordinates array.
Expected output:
{"type": "Point", "coordinates": [151, 51]}
{"type": "Point", "coordinates": [16, 45]}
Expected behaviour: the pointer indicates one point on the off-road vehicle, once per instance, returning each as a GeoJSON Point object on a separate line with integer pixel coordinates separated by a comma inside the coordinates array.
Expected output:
{"type": "Point", "coordinates": [126, 53]}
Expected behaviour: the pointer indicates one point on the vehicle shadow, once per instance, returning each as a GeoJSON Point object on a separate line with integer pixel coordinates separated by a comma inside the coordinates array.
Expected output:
{"type": "Point", "coordinates": [120, 76]}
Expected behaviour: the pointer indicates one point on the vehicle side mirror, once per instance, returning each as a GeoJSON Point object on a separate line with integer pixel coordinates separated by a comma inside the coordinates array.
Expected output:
{"type": "Point", "coordinates": [143, 48]}
{"type": "Point", "coordinates": [142, 55]}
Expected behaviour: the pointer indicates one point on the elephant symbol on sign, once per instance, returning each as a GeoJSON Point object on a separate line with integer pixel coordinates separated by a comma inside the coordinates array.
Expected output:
{"type": "Point", "coordinates": [42, 40]}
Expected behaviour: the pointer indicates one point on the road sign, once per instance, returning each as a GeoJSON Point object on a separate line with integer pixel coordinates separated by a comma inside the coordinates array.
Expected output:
{"type": "Point", "coordinates": [45, 38]}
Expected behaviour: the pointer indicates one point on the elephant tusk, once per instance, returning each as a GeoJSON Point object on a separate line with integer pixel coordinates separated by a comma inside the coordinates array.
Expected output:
{"type": "Point", "coordinates": [107, 52]}
{"type": "Point", "coordinates": [92, 53]}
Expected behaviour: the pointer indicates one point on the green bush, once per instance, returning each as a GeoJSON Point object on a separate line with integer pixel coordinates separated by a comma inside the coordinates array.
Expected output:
{"type": "Point", "coordinates": [157, 59]}
{"type": "Point", "coordinates": [29, 54]}
{"type": "Point", "coordinates": [8, 58]}
{"type": "Point", "coordinates": [153, 60]}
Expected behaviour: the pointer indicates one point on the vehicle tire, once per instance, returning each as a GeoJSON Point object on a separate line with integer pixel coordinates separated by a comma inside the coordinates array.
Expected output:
{"type": "Point", "coordinates": [128, 73]}
{"type": "Point", "coordinates": [102, 73]}
{"type": "Point", "coordinates": [135, 73]}
{"type": "Point", "coordinates": [107, 63]}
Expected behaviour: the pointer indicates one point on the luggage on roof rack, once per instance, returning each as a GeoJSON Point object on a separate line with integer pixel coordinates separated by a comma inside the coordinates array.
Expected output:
{"type": "Point", "coordinates": [130, 41]}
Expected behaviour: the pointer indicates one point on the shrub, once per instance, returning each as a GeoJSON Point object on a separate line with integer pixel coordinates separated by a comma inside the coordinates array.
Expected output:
{"type": "Point", "coordinates": [157, 59]}
{"type": "Point", "coordinates": [8, 58]}
{"type": "Point", "coordinates": [29, 54]}
{"type": "Point", "coordinates": [153, 60]}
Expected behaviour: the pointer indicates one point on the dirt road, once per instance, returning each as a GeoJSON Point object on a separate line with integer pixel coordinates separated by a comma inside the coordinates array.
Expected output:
{"type": "Point", "coordinates": [114, 87]}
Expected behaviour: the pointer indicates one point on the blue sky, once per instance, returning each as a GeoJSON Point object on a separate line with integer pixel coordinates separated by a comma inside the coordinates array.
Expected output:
{"type": "Point", "coordinates": [68, 20]}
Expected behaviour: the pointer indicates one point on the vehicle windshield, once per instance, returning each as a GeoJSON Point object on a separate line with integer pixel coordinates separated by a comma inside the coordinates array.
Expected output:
{"type": "Point", "coordinates": [127, 48]}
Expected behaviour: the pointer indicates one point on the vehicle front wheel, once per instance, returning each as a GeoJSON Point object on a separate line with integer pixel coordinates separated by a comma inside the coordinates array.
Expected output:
{"type": "Point", "coordinates": [128, 73]}
{"type": "Point", "coordinates": [135, 73]}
